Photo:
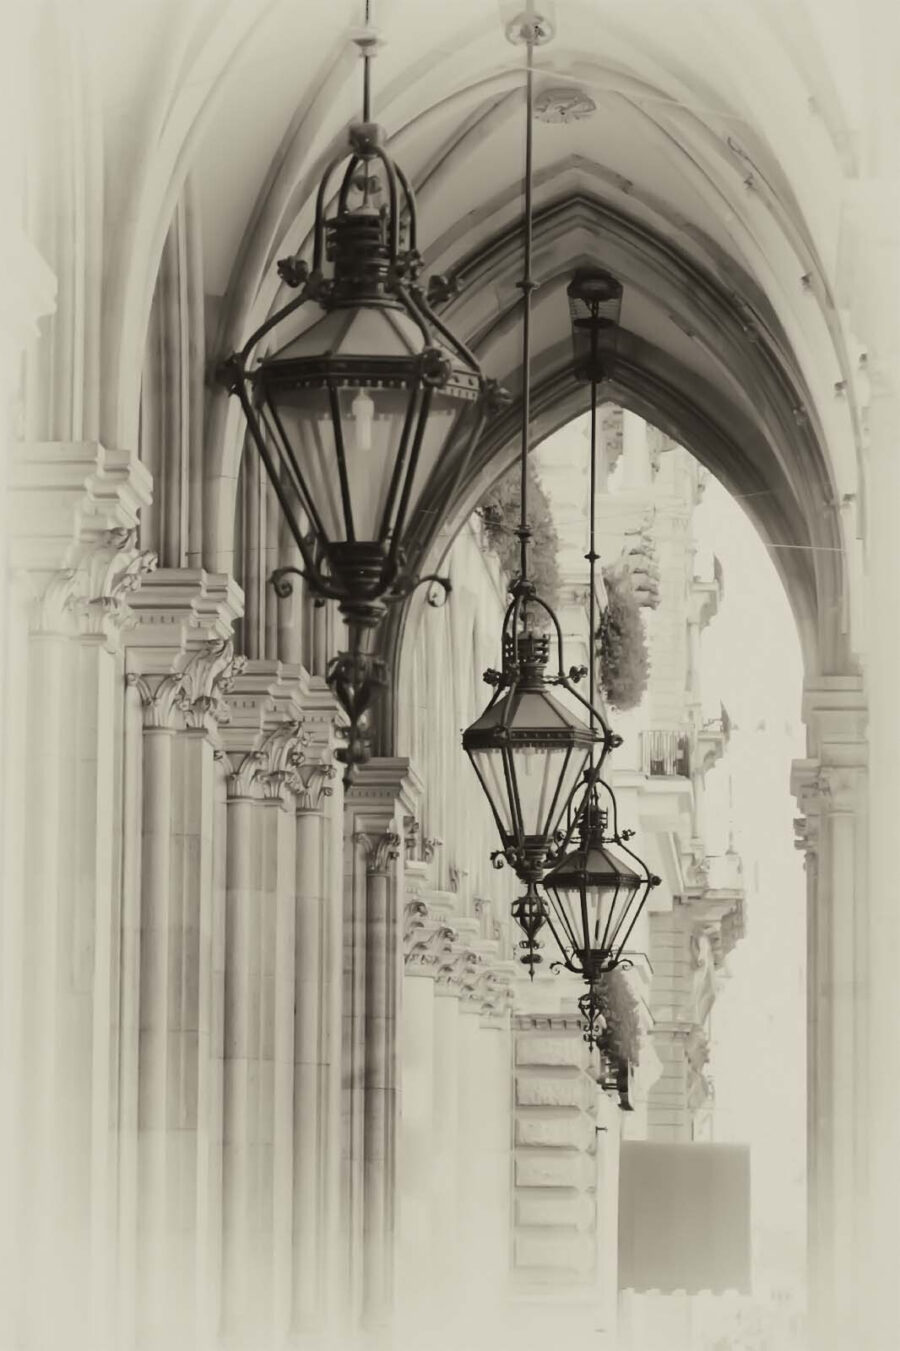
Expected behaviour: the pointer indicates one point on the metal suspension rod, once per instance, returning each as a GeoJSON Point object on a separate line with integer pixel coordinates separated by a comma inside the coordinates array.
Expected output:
{"type": "Point", "coordinates": [592, 556]}
{"type": "Point", "coordinates": [592, 550]}
{"type": "Point", "coordinates": [526, 285]}
{"type": "Point", "coordinates": [367, 78]}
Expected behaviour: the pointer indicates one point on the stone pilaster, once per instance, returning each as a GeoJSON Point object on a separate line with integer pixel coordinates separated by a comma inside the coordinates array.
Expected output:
{"type": "Point", "coordinates": [316, 1094]}
{"type": "Point", "coordinates": [264, 743]}
{"type": "Point", "coordinates": [831, 789]}
{"type": "Point", "coordinates": [383, 793]}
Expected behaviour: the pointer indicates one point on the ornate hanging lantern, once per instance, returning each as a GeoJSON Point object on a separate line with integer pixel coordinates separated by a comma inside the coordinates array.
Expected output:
{"type": "Point", "coordinates": [597, 890]}
{"type": "Point", "coordinates": [356, 396]}
{"type": "Point", "coordinates": [529, 750]}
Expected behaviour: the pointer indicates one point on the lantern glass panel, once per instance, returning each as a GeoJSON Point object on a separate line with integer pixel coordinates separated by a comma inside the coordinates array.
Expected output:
{"type": "Point", "coordinates": [489, 767]}
{"type": "Point", "coordinates": [372, 422]}
{"type": "Point", "coordinates": [593, 895]}
{"type": "Point", "coordinates": [545, 777]}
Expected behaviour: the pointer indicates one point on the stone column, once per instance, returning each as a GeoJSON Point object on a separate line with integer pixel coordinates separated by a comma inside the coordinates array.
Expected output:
{"type": "Point", "coordinates": [383, 792]}
{"type": "Point", "coordinates": [831, 792]}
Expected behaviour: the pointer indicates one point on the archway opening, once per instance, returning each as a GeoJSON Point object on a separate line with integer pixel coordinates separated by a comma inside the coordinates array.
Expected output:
{"type": "Point", "coordinates": [705, 769]}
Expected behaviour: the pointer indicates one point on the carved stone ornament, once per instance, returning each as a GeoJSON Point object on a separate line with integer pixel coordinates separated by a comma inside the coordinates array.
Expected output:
{"type": "Point", "coordinates": [567, 103]}
{"type": "Point", "coordinates": [430, 845]}
{"type": "Point", "coordinates": [411, 836]}
{"type": "Point", "coordinates": [458, 970]}
{"type": "Point", "coordinates": [429, 946]}
{"type": "Point", "coordinates": [415, 919]}
{"type": "Point", "coordinates": [91, 598]}
{"type": "Point", "coordinates": [456, 876]}
{"type": "Point", "coordinates": [195, 693]}
{"type": "Point", "coordinates": [379, 850]}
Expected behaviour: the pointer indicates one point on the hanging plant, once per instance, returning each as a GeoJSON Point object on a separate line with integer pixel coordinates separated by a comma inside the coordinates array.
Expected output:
{"type": "Point", "coordinates": [499, 512]}
{"type": "Point", "coordinates": [624, 660]}
{"type": "Point", "coordinates": [621, 1038]}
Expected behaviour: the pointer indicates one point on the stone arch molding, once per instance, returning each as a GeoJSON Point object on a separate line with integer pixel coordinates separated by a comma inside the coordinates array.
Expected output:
{"type": "Point", "coordinates": [743, 407]}
{"type": "Point", "coordinates": [459, 93]}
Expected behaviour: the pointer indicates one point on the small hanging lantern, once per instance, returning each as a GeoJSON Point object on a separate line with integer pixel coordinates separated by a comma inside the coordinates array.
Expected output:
{"type": "Point", "coordinates": [596, 891]}
{"type": "Point", "coordinates": [531, 753]}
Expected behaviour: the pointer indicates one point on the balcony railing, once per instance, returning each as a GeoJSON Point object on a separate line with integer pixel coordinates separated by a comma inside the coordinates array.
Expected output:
{"type": "Point", "coordinates": [666, 755]}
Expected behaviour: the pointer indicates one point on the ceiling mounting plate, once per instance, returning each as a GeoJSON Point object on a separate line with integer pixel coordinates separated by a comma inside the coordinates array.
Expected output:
{"type": "Point", "coordinates": [530, 25]}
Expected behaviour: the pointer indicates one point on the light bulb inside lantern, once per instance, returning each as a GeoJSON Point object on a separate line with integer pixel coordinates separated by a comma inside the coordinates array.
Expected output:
{"type": "Point", "coordinates": [363, 410]}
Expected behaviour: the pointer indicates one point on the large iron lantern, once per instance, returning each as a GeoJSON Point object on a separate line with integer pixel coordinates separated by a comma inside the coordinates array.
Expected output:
{"type": "Point", "coordinates": [530, 751]}
{"type": "Point", "coordinates": [358, 399]}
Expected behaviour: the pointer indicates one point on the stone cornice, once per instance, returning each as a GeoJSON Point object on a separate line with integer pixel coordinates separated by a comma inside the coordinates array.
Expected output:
{"type": "Point", "coordinates": [177, 610]}
{"type": "Point", "coordinates": [384, 780]}
{"type": "Point", "coordinates": [65, 496]}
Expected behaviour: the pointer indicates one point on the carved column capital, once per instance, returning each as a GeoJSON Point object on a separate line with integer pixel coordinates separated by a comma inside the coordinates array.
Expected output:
{"type": "Point", "coordinates": [206, 678]}
{"type": "Point", "coordinates": [379, 851]}
{"type": "Point", "coordinates": [191, 698]}
{"type": "Point", "coordinates": [281, 760]}
{"type": "Point", "coordinates": [824, 790]}
{"type": "Point", "coordinates": [312, 783]}
{"type": "Point", "coordinates": [242, 772]}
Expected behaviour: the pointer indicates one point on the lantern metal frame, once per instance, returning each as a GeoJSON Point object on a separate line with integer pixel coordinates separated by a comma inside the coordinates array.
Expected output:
{"type": "Point", "coordinates": [375, 269]}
